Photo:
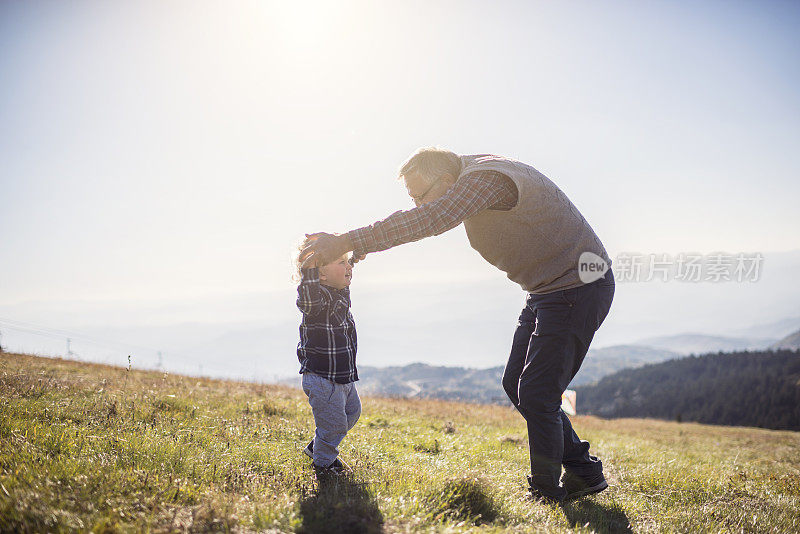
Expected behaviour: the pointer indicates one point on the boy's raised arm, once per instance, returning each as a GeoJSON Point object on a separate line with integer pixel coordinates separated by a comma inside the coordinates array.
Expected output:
{"type": "Point", "coordinates": [310, 299]}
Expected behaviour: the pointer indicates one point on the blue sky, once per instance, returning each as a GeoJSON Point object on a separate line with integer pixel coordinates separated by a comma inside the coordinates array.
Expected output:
{"type": "Point", "coordinates": [170, 151]}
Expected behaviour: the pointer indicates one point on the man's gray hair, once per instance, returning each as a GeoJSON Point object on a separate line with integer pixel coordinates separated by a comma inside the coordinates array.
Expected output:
{"type": "Point", "coordinates": [431, 163]}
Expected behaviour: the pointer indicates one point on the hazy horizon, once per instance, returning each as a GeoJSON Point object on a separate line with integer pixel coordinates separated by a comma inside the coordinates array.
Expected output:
{"type": "Point", "coordinates": [467, 324]}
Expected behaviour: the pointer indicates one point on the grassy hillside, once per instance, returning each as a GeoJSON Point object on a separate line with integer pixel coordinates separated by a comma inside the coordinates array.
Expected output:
{"type": "Point", "coordinates": [86, 446]}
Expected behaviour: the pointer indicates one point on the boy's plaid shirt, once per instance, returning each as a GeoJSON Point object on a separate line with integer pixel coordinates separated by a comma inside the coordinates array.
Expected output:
{"type": "Point", "coordinates": [328, 340]}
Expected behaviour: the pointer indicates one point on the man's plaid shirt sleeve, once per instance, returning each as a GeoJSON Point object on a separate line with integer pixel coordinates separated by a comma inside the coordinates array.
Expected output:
{"type": "Point", "coordinates": [470, 195]}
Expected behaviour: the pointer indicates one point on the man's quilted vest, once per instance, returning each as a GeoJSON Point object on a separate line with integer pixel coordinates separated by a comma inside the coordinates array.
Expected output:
{"type": "Point", "coordinates": [539, 241]}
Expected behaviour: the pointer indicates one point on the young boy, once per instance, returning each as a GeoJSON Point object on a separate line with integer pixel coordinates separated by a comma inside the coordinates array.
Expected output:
{"type": "Point", "coordinates": [327, 354]}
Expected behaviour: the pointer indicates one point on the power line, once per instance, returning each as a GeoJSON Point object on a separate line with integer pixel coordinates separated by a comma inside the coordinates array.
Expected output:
{"type": "Point", "coordinates": [56, 333]}
{"type": "Point", "coordinates": [69, 337]}
{"type": "Point", "coordinates": [33, 331]}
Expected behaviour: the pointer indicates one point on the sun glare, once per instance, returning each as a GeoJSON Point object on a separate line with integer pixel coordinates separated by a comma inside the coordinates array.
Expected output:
{"type": "Point", "coordinates": [302, 25]}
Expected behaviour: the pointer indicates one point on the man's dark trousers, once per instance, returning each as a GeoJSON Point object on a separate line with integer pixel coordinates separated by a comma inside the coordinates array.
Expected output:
{"type": "Point", "coordinates": [550, 343]}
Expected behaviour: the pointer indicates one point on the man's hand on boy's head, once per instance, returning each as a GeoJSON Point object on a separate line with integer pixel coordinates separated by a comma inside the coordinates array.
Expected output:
{"type": "Point", "coordinates": [308, 261]}
{"type": "Point", "coordinates": [327, 247]}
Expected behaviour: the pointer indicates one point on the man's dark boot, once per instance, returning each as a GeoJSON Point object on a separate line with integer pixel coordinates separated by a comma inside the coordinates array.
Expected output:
{"type": "Point", "coordinates": [578, 487]}
{"type": "Point", "coordinates": [540, 497]}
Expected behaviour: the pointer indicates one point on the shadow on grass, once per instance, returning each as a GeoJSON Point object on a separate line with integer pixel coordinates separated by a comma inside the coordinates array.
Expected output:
{"type": "Point", "coordinates": [466, 499]}
{"type": "Point", "coordinates": [597, 517]}
{"type": "Point", "coordinates": [340, 504]}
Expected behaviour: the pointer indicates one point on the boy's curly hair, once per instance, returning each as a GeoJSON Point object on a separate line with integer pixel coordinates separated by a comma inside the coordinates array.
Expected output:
{"type": "Point", "coordinates": [298, 257]}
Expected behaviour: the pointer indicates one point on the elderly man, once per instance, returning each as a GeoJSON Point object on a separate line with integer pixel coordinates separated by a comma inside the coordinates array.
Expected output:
{"type": "Point", "coordinates": [523, 224]}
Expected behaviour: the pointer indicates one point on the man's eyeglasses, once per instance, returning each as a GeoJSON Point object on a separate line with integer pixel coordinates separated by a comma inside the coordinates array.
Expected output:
{"type": "Point", "coordinates": [419, 198]}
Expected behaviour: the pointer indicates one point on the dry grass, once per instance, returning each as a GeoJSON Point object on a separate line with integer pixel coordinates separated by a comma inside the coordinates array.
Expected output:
{"type": "Point", "coordinates": [92, 447]}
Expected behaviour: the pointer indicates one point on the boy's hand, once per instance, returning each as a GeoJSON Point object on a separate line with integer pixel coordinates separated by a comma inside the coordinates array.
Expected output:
{"type": "Point", "coordinates": [355, 259]}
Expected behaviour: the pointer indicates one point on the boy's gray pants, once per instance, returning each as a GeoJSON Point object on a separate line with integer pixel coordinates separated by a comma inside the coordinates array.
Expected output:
{"type": "Point", "coordinates": [336, 408]}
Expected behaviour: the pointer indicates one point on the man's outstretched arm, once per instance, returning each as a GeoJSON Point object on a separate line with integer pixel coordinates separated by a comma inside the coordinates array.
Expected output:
{"type": "Point", "coordinates": [470, 195]}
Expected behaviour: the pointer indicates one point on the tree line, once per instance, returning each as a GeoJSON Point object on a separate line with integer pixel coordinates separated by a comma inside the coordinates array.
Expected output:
{"type": "Point", "coordinates": [748, 388]}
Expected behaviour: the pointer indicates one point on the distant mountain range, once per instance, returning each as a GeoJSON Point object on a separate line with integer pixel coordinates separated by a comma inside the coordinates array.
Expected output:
{"type": "Point", "coordinates": [792, 342]}
{"type": "Point", "coordinates": [427, 381]}
{"type": "Point", "coordinates": [775, 329]}
{"type": "Point", "coordinates": [484, 385]}
{"type": "Point", "coordinates": [691, 343]}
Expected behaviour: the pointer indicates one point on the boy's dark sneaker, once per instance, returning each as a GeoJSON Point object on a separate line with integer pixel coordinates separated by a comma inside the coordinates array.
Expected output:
{"type": "Point", "coordinates": [327, 474]}
{"type": "Point", "coordinates": [337, 464]}
{"type": "Point", "coordinates": [309, 450]}
{"type": "Point", "coordinates": [578, 487]}
{"type": "Point", "coordinates": [540, 497]}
